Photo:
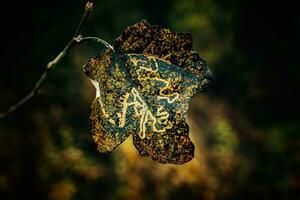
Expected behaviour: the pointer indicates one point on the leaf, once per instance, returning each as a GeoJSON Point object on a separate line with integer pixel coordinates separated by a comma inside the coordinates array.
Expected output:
{"type": "Point", "coordinates": [144, 89]}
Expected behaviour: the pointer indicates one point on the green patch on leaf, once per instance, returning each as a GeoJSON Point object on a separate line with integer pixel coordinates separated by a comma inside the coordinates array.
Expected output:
{"type": "Point", "coordinates": [144, 88]}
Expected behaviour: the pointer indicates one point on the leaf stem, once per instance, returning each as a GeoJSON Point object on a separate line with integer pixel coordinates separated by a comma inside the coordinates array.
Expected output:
{"type": "Point", "coordinates": [96, 39]}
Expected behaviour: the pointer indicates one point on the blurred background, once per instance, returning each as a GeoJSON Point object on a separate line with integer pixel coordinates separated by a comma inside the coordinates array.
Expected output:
{"type": "Point", "coordinates": [245, 126]}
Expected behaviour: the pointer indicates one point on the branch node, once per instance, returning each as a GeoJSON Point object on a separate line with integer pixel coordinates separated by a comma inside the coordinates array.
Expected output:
{"type": "Point", "coordinates": [89, 7]}
{"type": "Point", "coordinates": [78, 38]}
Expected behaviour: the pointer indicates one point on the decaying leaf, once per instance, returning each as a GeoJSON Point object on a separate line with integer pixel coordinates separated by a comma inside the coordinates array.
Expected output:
{"type": "Point", "coordinates": [144, 88]}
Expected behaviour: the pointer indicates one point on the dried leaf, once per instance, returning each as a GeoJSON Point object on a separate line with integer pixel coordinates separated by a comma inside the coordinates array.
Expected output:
{"type": "Point", "coordinates": [144, 89]}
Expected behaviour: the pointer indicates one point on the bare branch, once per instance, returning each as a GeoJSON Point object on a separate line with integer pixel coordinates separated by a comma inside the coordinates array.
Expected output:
{"type": "Point", "coordinates": [73, 42]}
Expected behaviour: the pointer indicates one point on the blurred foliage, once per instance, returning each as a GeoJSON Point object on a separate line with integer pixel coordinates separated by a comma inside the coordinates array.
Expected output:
{"type": "Point", "coordinates": [245, 127]}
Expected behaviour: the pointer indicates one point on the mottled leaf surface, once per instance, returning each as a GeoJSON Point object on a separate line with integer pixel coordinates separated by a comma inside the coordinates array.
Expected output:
{"type": "Point", "coordinates": [144, 89]}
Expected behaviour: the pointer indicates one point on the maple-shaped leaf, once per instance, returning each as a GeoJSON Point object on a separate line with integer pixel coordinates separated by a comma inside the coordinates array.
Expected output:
{"type": "Point", "coordinates": [143, 88]}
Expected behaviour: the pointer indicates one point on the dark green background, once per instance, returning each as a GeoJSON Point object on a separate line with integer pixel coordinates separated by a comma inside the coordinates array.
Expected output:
{"type": "Point", "coordinates": [245, 126]}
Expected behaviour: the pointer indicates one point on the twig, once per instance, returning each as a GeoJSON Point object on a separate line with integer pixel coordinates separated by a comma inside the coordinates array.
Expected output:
{"type": "Point", "coordinates": [77, 38]}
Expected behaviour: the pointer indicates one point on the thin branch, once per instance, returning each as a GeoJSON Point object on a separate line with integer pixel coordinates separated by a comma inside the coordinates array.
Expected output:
{"type": "Point", "coordinates": [87, 13]}
{"type": "Point", "coordinates": [73, 42]}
